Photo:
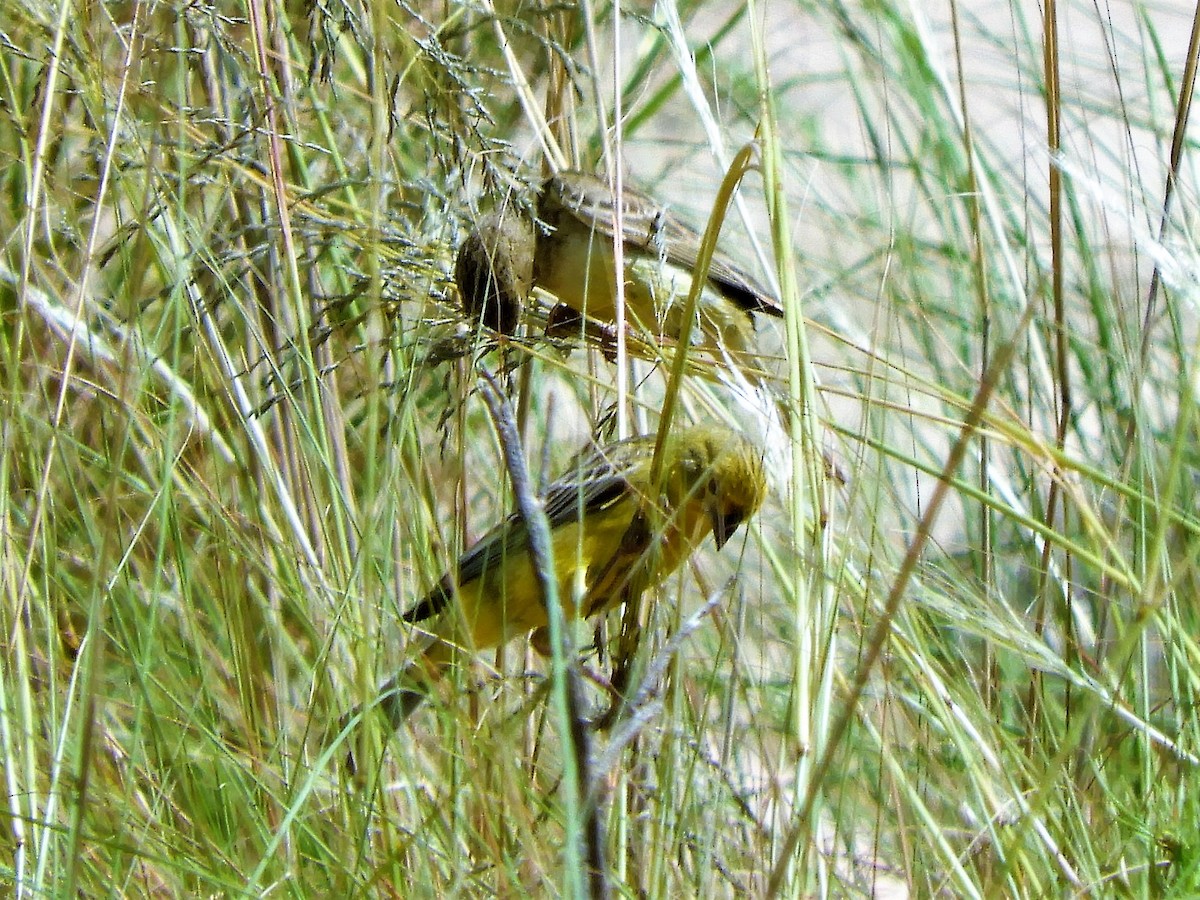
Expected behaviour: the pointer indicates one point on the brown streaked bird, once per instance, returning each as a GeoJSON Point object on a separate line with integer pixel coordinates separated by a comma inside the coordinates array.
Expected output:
{"type": "Point", "coordinates": [574, 258]}
{"type": "Point", "coordinates": [613, 536]}
{"type": "Point", "coordinates": [572, 250]}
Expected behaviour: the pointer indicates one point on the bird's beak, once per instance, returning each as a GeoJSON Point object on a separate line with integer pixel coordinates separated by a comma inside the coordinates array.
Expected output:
{"type": "Point", "coordinates": [724, 525]}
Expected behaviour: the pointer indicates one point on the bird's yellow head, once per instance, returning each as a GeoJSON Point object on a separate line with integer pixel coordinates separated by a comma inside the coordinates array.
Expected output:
{"type": "Point", "coordinates": [723, 471]}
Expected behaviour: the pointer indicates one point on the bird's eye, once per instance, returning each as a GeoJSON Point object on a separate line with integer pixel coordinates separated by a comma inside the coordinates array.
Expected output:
{"type": "Point", "coordinates": [693, 468]}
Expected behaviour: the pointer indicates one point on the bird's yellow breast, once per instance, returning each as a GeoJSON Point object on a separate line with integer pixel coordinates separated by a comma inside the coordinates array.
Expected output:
{"type": "Point", "coordinates": [507, 600]}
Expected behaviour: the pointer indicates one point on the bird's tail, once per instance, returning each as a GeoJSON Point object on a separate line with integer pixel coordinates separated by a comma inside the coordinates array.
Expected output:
{"type": "Point", "coordinates": [401, 694]}
{"type": "Point", "coordinates": [398, 697]}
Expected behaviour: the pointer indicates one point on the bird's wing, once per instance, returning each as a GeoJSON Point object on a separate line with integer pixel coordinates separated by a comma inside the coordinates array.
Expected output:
{"type": "Point", "coordinates": [596, 479]}
{"type": "Point", "coordinates": [508, 538]}
{"type": "Point", "coordinates": [650, 227]}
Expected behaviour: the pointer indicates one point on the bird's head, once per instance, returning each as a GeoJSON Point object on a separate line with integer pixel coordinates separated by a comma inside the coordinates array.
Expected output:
{"type": "Point", "coordinates": [494, 268]}
{"type": "Point", "coordinates": [725, 470]}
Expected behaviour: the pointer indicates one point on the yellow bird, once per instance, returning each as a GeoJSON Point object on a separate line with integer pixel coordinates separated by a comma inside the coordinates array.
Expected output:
{"type": "Point", "coordinates": [569, 253]}
{"type": "Point", "coordinates": [613, 534]}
